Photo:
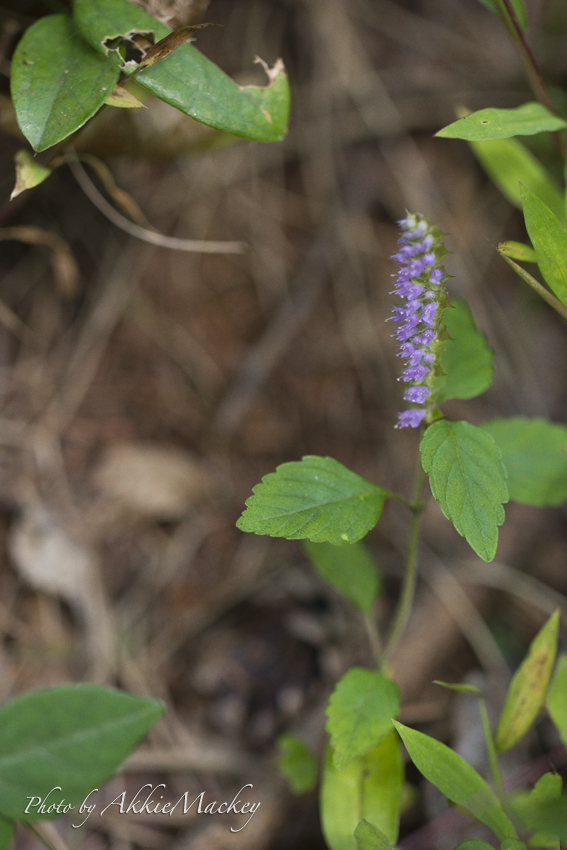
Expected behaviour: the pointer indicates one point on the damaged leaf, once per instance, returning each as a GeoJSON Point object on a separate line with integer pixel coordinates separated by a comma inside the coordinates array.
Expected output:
{"type": "Point", "coordinates": [168, 44]}
{"type": "Point", "coordinates": [121, 97]}
{"type": "Point", "coordinates": [29, 173]}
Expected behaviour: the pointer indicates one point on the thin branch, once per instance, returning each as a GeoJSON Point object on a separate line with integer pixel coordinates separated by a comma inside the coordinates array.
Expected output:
{"type": "Point", "coordinates": [537, 287]}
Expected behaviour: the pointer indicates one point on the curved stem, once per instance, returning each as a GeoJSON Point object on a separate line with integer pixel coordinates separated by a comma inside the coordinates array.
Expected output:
{"type": "Point", "coordinates": [410, 576]}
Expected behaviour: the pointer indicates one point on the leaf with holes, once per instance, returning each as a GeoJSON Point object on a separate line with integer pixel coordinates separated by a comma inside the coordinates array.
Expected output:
{"type": "Point", "coordinates": [468, 479]}
{"type": "Point", "coordinates": [317, 499]}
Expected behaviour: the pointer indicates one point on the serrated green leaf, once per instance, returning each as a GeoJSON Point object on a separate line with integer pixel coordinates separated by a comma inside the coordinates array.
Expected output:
{"type": "Point", "coordinates": [549, 239]}
{"type": "Point", "coordinates": [508, 163]}
{"type": "Point", "coordinates": [349, 568]}
{"type": "Point", "coordinates": [368, 837]}
{"type": "Point", "coordinates": [518, 251]}
{"type": "Point", "coordinates": [360, 712]}
{"type": "Point", "coordinates": [474, 843]}
{"type": "Point", "coordinates": [317, 499]}
{"type": "Point", "coordinates": [487, 124]}
{"type": "Point", "coordinates": [74, 736]}
{"type": "Point", "coordinates": [468, 480]}
{"type": "Point", "coordinates": [188, 80]}
{"type": "Point", "coordinates": [534, 452]}
{"type": "Point", "coordinates": [297, 764]}
{"type": "Point", "coordinates": [466, 359]}
{"type": "Point", "coordinates": [369, 788]}
{"type": "Point", "coordinates": [382, 786]}
{"type": "Point", "coordinates": [528, 687]}
{"type": "Point", "coordinates": [557, 698]}
{"type": "Point", "coordinates": [58, 82]}
{"type": "Point", "coordinates": [7, 831]}
{"type": "Point", "coordinates": [455, 778]}
{"type": "Point", "coordinates": [519, 8]}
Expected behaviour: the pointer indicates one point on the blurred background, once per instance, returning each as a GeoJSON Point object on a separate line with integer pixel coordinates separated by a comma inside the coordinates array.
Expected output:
{"type": "Point", "coordinates": [145, 391]}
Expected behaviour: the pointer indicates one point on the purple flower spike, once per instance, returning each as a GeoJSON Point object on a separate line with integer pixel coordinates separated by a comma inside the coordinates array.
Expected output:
{"type": "Point", "coordinates": [418, 319]}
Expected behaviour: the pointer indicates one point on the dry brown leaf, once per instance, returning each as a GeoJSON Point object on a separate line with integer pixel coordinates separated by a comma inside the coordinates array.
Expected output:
{"type": "Point", "coordinates": [168, 44]}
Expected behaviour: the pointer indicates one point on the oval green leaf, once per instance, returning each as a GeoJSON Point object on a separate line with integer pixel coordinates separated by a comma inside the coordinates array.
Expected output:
{"type": "Point", "coordinates": [508, 163]}
{"type": "Point", "coordinates": [72, 736]}
{"type": "Point", "coordinates": [297, 763]}
{"type": "Point", "coordinates": [350, 569]}
{"type": "Point", "coordinates": [528, 687]}
{"type": "Point", "coordinates": [468, 480]}
{"type": "Point", "coordinates": [369, 837]}
{"type": "Point", "coordinates": [58, 82]}
{"type": "Point", "coordinates": [340, 803]}
{"type": "Point", "coordinates": [317, 499]}
{"type": "Point", "coordinates": [188, 80]}
{"type": "Point", "coordinates": [467, 359]}
{"type": "Point", "coordinates": [455, 778]}
{"type": "Point", "coordinates": [486, 124]}
{"type": "Point", "coordinates": [360, 712]}
{"type": "Point", "coordinates": [557, 698]}
{"type": "Point", "coordinates": [549, 239]}
{"type": "Point", "coordinates": [534, 452]}
{"type": "Point", "coordinates": [382, 786]}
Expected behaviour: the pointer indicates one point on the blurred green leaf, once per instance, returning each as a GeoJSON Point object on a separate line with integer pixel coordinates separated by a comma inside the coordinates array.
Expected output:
{"type": "Point", "coordinates": [360, 712]}
{"type": "Point", "coordinates": [349, 568]}
{"type": "Point", "coordinates": [518, 251]}
{"type": "Point", "coordinates": [58, 82]}
{"type": "Point", "coordinates": [368, 837]}
{"type": "Point", "coordinates": [188, 80]}
{"type": "Point", "coordinates": [528, 688]}
{"type": "Point", "coordinates": [7, 831]}
{"type": "Point", "coordinates": [382, 786]}
{"type": "Point", "coordinates": [474, 843]}
{"type": "Point", "coordinates": [557, 698]}
{"type": "Point", "coordinates": [466, 359]}
{"type": "Point", "coordinates": [340, 802]}
{"type": "Point", "coordinates": [297, 764]}
{"type": "Point", "coordinates": [548, 787]}
{"type": "Point", "coordinates": [455, 778]}
{"type": "Point", "coordinates": [519, 8]}
{"type": "Point", "coordinates": [461, 688]}
{"type": "Point", "coordinates": [316, 498]}
{"type": "Point", "coordinates": [508, 163]}
{"type": "Point", "coordinates": [512, 844]}
{"type": "Point", "coordinates": [74, 736]}
{"type": "Point", "coordinates": [487, 124]}
{"type": "Point", "coordinates": [549, 239]}
{"type": "Point", "coordinates": [534, 452]}
{"type": "Point", "coordinates": [468, 480]}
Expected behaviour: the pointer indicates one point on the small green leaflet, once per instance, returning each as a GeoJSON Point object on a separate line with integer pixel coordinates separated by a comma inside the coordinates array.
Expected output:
{"type": "Point", "coordinates": [58, 82]}
{"type": "Point", "coordinates": [316, 498]}
{"type": "Point", "coordinates": [549, 239]}
{"type": "Point", "coordinates": [519, 8]}
{"type": "Point", "coordinates": [487, 124]}
{"type": "Point", "coordinates": [369, 788]}
{"type": "Point", "coordinates": [466, 360]}
{"type": "Point", "coordinates": [297, 764]}
{"type": "Point", "coordinates": [528, 687]}
{"type": "Point", "coordinates": [518, 251]}
{"type": "Point", "coordinates": [74, 736]}
{"type": "Point", "coordinates": [29, 173]}
{"type": "Point", "coordinates": [360, 712]}
{"type": "Point", "coordinates": [508, 162]}
{"type": "Point", "coordinates": [368, 837]}
{"type": "Point", "coordinates": [522, 805]}
{"type": "Point", "coordinates": [349, 569]}
{"type": "Point", "coordinates": [188, 80]}
{"type": "Point", "coordinates": [7, 831]}
{"type": "Point", "coordinates": [468, 480]}
{"type": "Point", "coordinates": [455, 778]}
{"type": "Point", "coordinates": [557, 698]}
{"type": "Point", "coordinates": [534, 452]}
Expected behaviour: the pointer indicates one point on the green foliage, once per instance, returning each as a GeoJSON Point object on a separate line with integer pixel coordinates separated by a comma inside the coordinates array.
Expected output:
{"type": "Point", "coordinates": [518, 5]}
{"type": "Point", "coordinates": [474, 844]}
{"type": "Point", "coordinates": [557, 698]}
{"type": "Point", "coordinates": [518, 251]}
{"type": "Point", "coordinates": [468, 480]}
{"type": "Point", "coordinates": [534, 452]}
{"type": "Point", "coordinates": [512, 844]}
{"type": "Point", "coordinates": [7, 830]}
{"type": "Point", "coordinates": [487, 124]}
{"type": "Point", "coordinates": [349, 569]}
{"type": "Point", "coordinates": [316, 498]}
{"type": "Point", "coordinates": [467, 359]}
{"type": "Point", "coordinates": [524, 804]}
{"type": "Point", "coordinates": [74, 736]}
{"type": "Point", "coordinates": [360, 713]}
{"type": "Point", "coordinates": [508, 163]}
{"type": "Point", "coordinates": [187, 80]}
{"type": "Point", "coordinates": [368, 837]}
{"type": "Point", "coordinates": [58, 82]}
{"type": "Point", "coordinates": [455, 778]}
{"type": "Point", "coordinates": [369, 788]}
{"type": "Point", "coordinates": [549, 239]}
{"type": "Point", "coordinates": [297, 764]}
{"type": "Point", "coordinates": [528, 688]}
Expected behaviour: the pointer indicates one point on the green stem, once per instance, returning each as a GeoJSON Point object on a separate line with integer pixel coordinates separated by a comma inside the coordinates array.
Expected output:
{"type": "Point", "coordinates": [491, 750]}
{"type": "Point", "coordinates": [410, 576]}
{"type": "Point", "coordinates": [373, 637]}
{"type": "Point", "coordinates": [537, 287]}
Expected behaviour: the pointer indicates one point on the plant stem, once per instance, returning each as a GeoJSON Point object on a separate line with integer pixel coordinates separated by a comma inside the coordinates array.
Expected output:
{"type": "Point", "coordinates": [410, 576]}
{"type": "Point", "coordinates": [537, 287]}
{"type": "Point", "coordinates": [373, 637]}
{"type": "Point", "coordinates": [491, 749]}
